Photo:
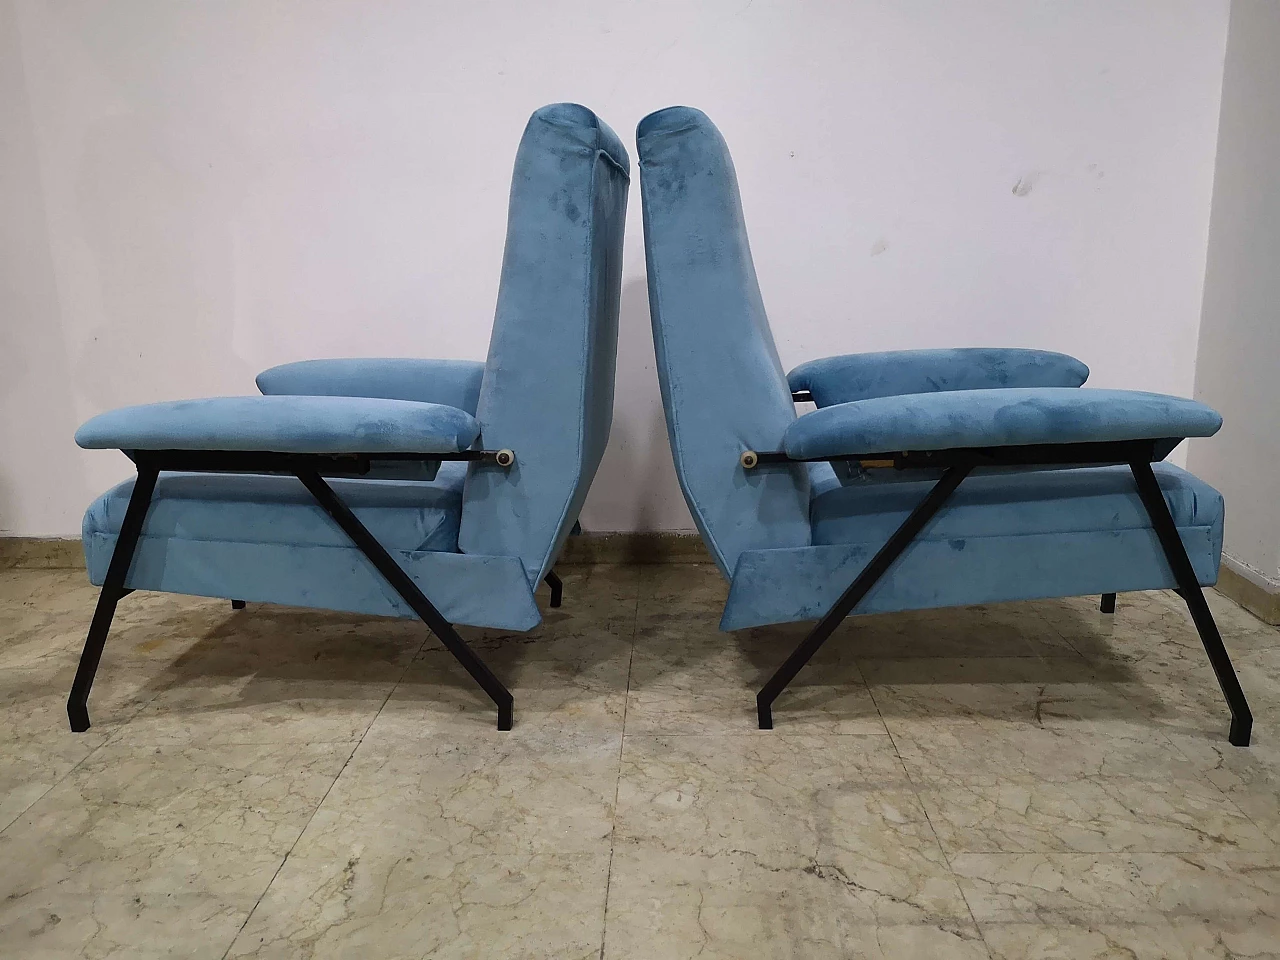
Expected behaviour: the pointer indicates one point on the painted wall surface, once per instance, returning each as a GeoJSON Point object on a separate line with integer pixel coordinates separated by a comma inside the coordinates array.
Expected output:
{"type": "Point", "coordinates": [194, 191]}
{"type": "Point", "coordinates": [1238, 367]}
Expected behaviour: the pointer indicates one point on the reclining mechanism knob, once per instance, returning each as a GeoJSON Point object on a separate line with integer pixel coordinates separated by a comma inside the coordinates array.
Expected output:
{"type": "Point", "coordinates": [505, 458]}
{"type": "Point", "coordinates": [749, 459]}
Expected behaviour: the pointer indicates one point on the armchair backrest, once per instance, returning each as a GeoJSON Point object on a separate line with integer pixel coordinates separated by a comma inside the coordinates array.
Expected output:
{"type": "Point", "coordinates": [723, 387]}
{"type": "Point", "coordinates": [547, 392]}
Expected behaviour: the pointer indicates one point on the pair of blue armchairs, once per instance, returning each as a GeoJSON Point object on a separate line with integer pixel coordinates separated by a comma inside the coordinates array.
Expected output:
{"type": "Point", "coordinates": [445, 489]}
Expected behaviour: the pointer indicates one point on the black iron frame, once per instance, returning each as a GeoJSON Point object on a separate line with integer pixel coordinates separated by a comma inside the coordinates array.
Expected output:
{"type": "Point", "coordinates": [311, 470]}
{"type": "Point", "coordinates": [956, 465]}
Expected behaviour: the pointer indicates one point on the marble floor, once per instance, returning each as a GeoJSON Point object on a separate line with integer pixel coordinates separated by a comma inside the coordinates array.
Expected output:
{"type": "Point", "coordinates": [1026, 780]}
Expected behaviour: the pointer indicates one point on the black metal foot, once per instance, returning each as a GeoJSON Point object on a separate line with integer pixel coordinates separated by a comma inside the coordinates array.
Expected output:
{"type": "Point", "coordinates": [78, 714]}
{"type": "Point", "coordinates": [1241, 731]}
{"type": "Point", "coordinates": [764, 712]}
{"type": "Point", "coordinates": [237, 604]}
{"type": "Point", "coordinates": [557, 587]}
{"type": "Point", "coordinates": [113, 589]}
{"type": "Point", "coordinates": [1189, 589]}
{"type": "Point", "coordinates": [1108, 604]}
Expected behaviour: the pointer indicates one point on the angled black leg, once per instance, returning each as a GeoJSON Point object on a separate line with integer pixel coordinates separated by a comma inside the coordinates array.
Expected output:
{"type": "Point", "coordinates": [113, 589]}
{"type": "Point", "coordinates": [1108, 604]}
{"type": "Point", "coordinates": [1189, 589]}
{"type": "Point", "coordinates": [409, 591]}
{"type": "Point", "coordinates": [556, 585]}
{"type": "Point", "coordinates": [237, 604]}
{"type": "Point", "coordinates": [865, 580]}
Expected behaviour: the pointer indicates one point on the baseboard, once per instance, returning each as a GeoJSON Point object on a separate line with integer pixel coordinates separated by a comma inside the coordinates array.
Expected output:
{"type": "Point", "coordinates": [1256, 593]}
{"type": "Point", "coordinates": [53, 553]}
{"type": "Point", "coordinates": [41, 553]}
{"type": "Point", "coordinates": [606, 548]}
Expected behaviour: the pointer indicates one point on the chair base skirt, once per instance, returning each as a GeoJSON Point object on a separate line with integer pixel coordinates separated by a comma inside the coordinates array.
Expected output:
{"type": "Point", "coordinates": [1166, 531]}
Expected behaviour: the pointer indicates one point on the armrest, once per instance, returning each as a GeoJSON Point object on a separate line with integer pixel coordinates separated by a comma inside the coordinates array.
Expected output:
{"type": "Point", "coordinates": [455, 383]}
{"type": "Point", "coordinates": [994, 418]}
{"type": "Point", "coordinates": [862, 376]}
{"type": "Point", "coordinates": [284, 425]}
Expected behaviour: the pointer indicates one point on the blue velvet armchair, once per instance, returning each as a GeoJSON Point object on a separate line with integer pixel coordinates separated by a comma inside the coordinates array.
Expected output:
{"type": "Point", "coordinates": [430, 488]}
{"type": "Point", "coordinates": [859, 505]}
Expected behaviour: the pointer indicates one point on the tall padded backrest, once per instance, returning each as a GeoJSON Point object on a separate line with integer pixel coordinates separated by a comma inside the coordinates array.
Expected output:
{"type": "Point", "coordinates": [723, 387]}
{"type": "Point", "coordinates": [547, 391]}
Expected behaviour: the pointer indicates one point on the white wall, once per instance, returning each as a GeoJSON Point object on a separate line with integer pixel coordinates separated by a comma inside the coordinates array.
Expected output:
{"type": "Point", "coordinates": [1238, 368]}
{"type": "Point", "coordinates": [193, 191]}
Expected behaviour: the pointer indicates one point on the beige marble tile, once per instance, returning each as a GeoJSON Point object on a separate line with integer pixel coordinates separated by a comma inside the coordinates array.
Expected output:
{"type": "Point", "coordinates": [995, 630]}
{"type": "Point", "coordinates": [1249, 776]}
{"type": "Point", "coordinates": [1174, 939]}
{"type": "Point", "coordinates": [437, 698]}
{"type": "Point", "coordinates": [37, 747]}
{"type": "Point", "coordinates": [678, 687]}
{"type": "Point", "coordinates": [667, 906]}
{"type": "Point", "coordinates": [599, 603]}
{"type": "Point", "coordinates": [695, 592]}
{"type": "Point", "coordinates": [196, 819]}
{"type": "Point", "coordinates": [490, 845]}
{"type": "Point", "coordinates": [503, 905]}
{"type": "Point", "coordinates": [452, 798]}
{"type": "Point", "coordinates": [1224, 887]}
{"type": "Point", "coordinates": [1020, 814]}
{"type": "Point", "coordinates": [1028, 689]}
{"type": "Point", "coordinates": [837, 808]}
{"type": "Point", "coordinates": [274, 674]}
{"type": "Point", "coordinates": [1072, 765]}
{"type": "Point", "coordinates": [1061, 750]}
{"type": "Point", "coordinates": [112, 924]}
{"type": "Point", "coordinates": [45, 614]}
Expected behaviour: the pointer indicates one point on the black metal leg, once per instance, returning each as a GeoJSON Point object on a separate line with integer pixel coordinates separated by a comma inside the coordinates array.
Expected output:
{"type": "Point", "coordinates": [237, 604]}
{"type": "Point", "coordinates": [1108, 603]}
{"type": "Point", "coordinates": [865, 580]}
{"type": "Point", "coordinates": [409, 591]}
{"type": "Point", "coordinates": [556, 585]}
{"type": "Point", "coordinates": [113, 589]}
{"type": "Point", "coordinates": [1189, 589]}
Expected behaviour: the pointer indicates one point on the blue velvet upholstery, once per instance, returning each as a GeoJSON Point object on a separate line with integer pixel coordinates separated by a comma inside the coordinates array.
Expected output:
{"type": "Point", "coordinates": [790, 537]}
{"type": "Point", "coordinates": [861, 376]}
{"type": "Point", "coordinates": [454, 383]}
{"type": "Point", "coordinates": [1002, 536]}
{"type": "Point", "coordinates": [476, 538]}
{"type": "Point", "coordinates": [250, 508]}
{"type": "Point", "coordinates": [283, 425]}
{"type": "Point", "coordinates": [994, 418]}
{"type": "Point", "coordinates": [548, 383]}
{"type": "Point", "coordinates": [723, 389]}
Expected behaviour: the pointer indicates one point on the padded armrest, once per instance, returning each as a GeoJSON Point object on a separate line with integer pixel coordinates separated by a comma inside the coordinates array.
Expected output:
{"type": "Point", "coordinates": [863, 376]}
{"type": "Point", "coordinates": [455, 383]}
{"type": "Point", "coordinates": [284, 425]}
{"type": "Point", "coordinates": [994, 418]}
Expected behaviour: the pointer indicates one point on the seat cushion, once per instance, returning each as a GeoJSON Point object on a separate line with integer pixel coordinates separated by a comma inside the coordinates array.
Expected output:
{"type": "Point", "coordinates": [249, 508]}
{"type": "Point", "coordinates": [1011, 503]}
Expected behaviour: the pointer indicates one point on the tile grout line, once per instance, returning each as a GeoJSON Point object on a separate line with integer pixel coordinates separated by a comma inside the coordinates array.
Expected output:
{"type": "Point", "coordinates": [915, 791]}
{"type": "Point", "coordinates": [617, 784]}
{"type": "Point", "coordinates": [337, 777]}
